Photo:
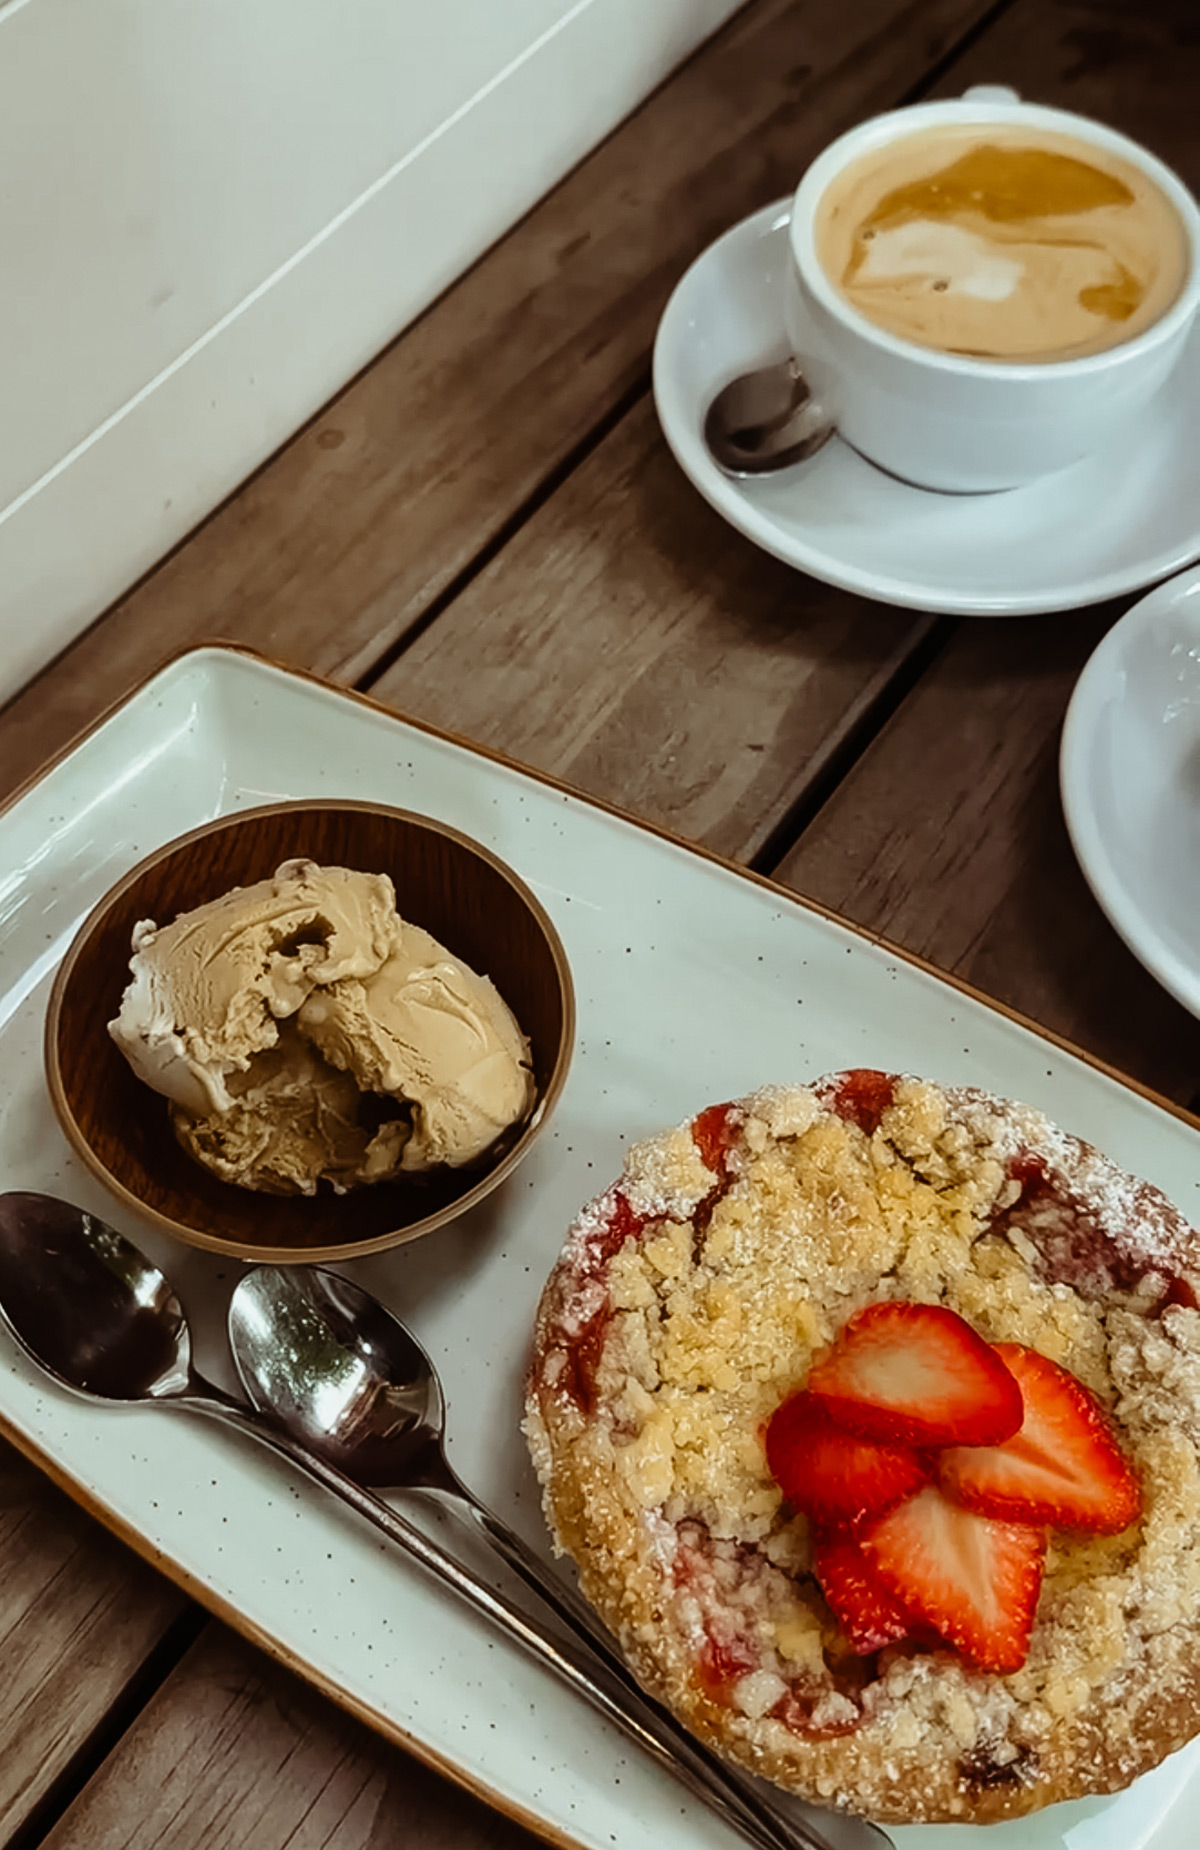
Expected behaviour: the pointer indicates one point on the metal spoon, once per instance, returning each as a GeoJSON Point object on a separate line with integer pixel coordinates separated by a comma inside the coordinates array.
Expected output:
{"type": "Point", "coordinates": [351, 1382]}
{"type": "Point", "coordinates": [766, 420]}
{"type": "Point", "coordinates": [93, 1311]}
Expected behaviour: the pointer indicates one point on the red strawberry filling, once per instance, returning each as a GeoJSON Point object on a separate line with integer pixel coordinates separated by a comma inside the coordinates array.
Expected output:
{"type": "Point", "coordinates": [584, 1354]}
{"type": "Point", "coordinates": [862, 1096]}
{"type": "Point", "coordinates": [1014, 1444]}
{"type": "Point", "coordinates": [1079, 1247]}
{"type": "Point", "coordinates": [714, 1133]}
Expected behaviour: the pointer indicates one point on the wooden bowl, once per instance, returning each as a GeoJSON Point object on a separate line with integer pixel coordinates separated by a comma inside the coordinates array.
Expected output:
{"type": "Point", "coordinates": [470, 901]}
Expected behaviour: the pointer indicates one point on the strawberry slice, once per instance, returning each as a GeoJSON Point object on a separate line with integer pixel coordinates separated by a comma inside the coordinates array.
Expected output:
{"type": "Point", "coordinates": [830, 1474]}
{"type": "Point", "coordinates": [917, 1374]}
{"type": "Point", "coordinates": [868, 1614]}
{"type": "Point", "coordinates": [1063, 1467]}
{"type": "Point", "coordinates": [975, 1580]}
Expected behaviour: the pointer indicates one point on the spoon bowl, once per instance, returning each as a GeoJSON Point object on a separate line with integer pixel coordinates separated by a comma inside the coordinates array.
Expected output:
{"type": "Point", "coordinates": [346, 1394]}
{"type": "Point", "coordinates": [87, 1305]}
{"type": "Point", "coordinates": [339, 1371]}
{"type": "Point", "coordinates": [766, 420]}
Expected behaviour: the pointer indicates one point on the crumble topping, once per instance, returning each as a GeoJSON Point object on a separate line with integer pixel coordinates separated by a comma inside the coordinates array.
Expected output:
{"type": "Point", "coordinates": [693, 1297]}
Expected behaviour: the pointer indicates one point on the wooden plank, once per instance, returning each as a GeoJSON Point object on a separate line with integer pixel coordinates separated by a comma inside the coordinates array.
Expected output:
{"type": "Point", "coordinates": [234, 1753]}
{"type": "Point", "coordinates": [744, 626]}
{"type": "Point", "coordinates": [207, 288]}
{"type": "Point", "coordinates": [343, 541]}
{"type": "Point", "coordinates": [333, 550]}
{"type": "Point", "coordinates": [629, 641]}
{"type": "Point", "coordinates": [330, 554]}
{"type": "Point", "coordinates": [1133, 66]}
{"type": "Point", "coordinates": [79, 1616]}
{"type": "Point", "coordinates": [948, 837]}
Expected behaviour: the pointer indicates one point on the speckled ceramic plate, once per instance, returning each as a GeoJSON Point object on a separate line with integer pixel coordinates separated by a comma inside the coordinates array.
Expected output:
{"type": "Point", "coordinates": [695, 983]}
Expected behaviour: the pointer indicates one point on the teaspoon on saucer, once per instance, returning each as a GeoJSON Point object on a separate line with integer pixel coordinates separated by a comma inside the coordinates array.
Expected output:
{"type": "Point", "coordinates": [766, 420]}
{"type": "Point", "coordinates": [342, 1390]}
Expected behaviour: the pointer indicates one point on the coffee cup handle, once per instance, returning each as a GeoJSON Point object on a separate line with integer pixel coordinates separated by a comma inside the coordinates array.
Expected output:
{"type": "Point", "coordinates": [990, 93]}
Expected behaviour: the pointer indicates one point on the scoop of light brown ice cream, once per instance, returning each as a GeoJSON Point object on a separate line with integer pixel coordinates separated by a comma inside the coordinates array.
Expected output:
{"type": "Point", "coordinates": [304, 1032]}
{"type": "Point", "coordinates": [425, 1028]}
{"type": "Point", "coordinates": [208, 991]}
{"type": "Point", "coordinates": [292, 1120]}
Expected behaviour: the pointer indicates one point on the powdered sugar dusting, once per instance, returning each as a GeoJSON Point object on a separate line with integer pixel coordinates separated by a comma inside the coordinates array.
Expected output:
{"type": "Point", "coordinates": [697, 1301]}
{"type": "Point", "coordinates": [1096, 1227]}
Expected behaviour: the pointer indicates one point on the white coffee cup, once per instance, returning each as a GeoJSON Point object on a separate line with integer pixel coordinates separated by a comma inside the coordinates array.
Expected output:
{"type": "Point", "coordinates": [952, 422]}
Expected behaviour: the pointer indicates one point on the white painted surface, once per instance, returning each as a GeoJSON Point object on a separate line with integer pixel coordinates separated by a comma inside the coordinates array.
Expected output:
{"type": "Point", "coordinates": [213, 212]}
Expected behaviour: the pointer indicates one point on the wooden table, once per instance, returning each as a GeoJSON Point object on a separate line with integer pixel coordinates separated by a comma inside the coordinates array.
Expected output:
{"type": "Point", "coordinates": [486, 531]}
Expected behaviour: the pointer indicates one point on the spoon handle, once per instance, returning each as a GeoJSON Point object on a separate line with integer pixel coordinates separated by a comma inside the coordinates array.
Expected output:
{"type": "Point", "coordinates": [571, 1609]}
{"type": "Point", "coordinates": [574, 1660]}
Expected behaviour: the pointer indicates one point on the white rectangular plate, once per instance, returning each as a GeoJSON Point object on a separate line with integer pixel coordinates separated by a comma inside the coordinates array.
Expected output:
{"type": "Point", "coordinates": [695, 984]}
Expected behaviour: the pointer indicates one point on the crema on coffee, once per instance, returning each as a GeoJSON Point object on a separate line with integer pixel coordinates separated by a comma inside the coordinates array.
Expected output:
{"type": "Point", "coordinates": [986, 241]}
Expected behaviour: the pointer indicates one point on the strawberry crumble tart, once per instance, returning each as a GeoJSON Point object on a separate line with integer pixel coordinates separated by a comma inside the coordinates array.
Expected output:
{"type": "Point", "coordinates": [870, 1413]}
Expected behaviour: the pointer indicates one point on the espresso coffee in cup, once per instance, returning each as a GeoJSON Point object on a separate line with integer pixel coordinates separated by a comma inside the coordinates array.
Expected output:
{"type": "Point", "coordinates": [984, 290]}
{"type": "Point", "coordinates": [990, 242]}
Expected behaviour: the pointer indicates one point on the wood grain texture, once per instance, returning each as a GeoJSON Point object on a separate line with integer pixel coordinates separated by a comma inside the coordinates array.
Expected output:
{"type": "Point", "coordinates": [629, 641]}
{"type": "Point", "coordinates": [234, 1753]}
{"type": "Point", "coordinates": [1131, 63]}
{"type": "Point", "coordinates": [622, 637]}
{"type": "Point", "coordinates": [344, 540]}
{"type": "Point", "coordinates": [329, 555]}
{"type": "Point", "coordinates": [79, 1616]}
{"type": "Point", "coordinates": [948, 837]}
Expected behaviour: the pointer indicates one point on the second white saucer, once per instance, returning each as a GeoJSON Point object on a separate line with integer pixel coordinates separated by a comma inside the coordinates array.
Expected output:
{"type": "Point", "coordinates": [1118, 521]}
{"type": "Point", "coordinates": [1130, 775]}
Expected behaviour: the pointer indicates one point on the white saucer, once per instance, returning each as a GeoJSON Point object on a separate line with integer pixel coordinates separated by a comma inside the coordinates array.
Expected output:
{"type": "Point", "coordinates": [1109, 525]}
{"type": "Point", "coordinates": [1130, 774]}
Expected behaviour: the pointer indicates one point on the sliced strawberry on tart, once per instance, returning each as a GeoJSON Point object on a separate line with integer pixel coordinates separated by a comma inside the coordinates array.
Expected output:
{"type": "Point", "coordinates": [973, 1579]}
{"type": "Point", "coordinates": [1063, 1466]}
{"type": "Point", "coordinates": [831, 1474]}
{"type": "Point", "coordinates": [870, 1616]}
{"type": "Point", "coordinates": [917, 1374]}
{"type": "Point", "coordinates": [814, 1501]}
{"type": "Point", "coordinates": [1014, 1445]}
